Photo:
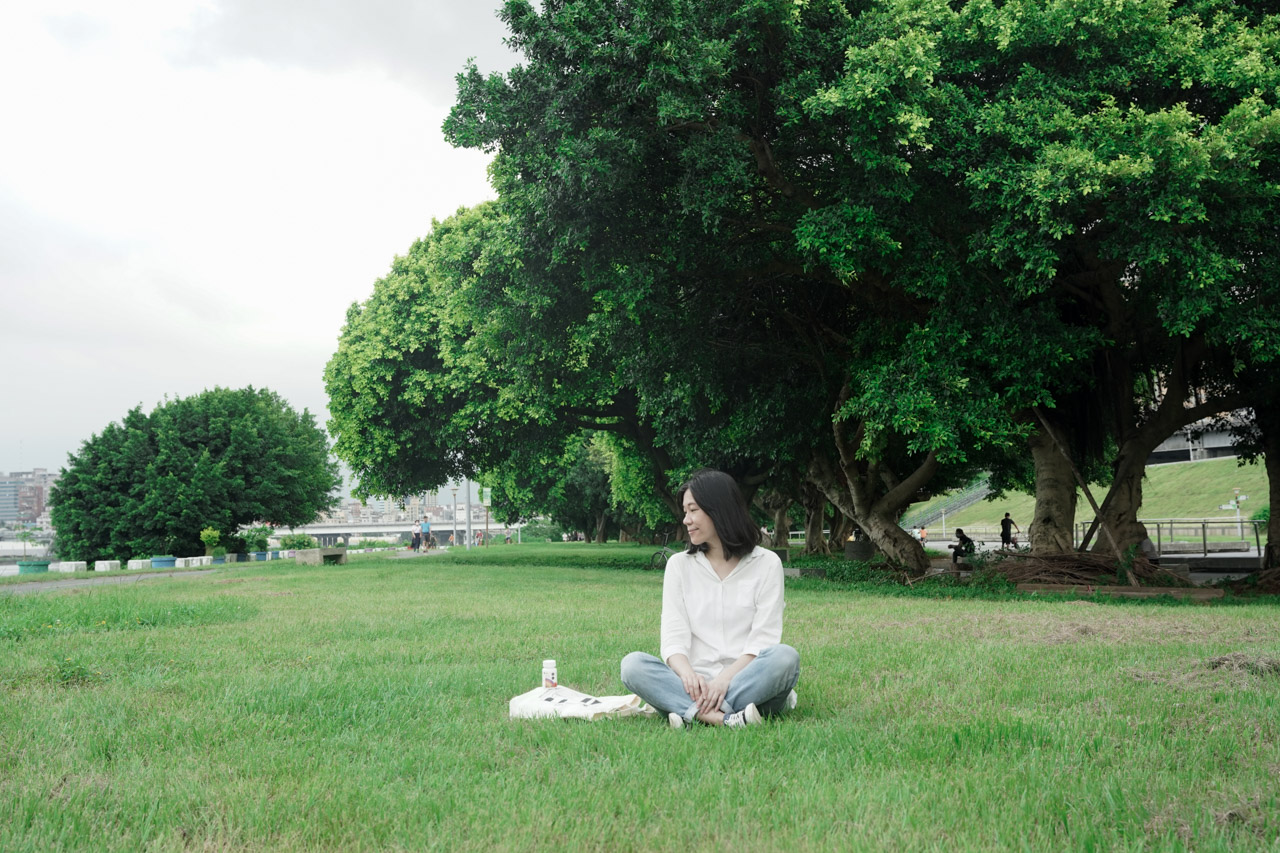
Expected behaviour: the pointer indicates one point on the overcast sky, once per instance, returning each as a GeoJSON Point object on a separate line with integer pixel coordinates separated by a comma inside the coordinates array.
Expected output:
{"type": "Point", "coordinates": [192, 193]}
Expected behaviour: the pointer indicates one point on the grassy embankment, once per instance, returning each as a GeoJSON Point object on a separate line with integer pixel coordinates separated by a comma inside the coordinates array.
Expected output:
{"type": "Point", "coordinates": [1178, 490]}
{"type": "Point", "coordinates": [273, 706]}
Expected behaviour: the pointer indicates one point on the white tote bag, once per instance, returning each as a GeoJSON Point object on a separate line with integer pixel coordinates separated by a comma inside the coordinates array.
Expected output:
{"type": "Point", "coordinates": [565, 702]}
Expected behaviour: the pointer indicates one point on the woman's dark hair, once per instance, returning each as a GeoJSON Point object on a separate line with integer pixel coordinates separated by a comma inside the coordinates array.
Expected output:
{"type": "Point", "coordinates": [719, 497]}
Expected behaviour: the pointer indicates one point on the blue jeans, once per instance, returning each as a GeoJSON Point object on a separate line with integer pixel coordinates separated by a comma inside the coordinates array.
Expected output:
{"type": "Point", "coordinates": [766, 681]}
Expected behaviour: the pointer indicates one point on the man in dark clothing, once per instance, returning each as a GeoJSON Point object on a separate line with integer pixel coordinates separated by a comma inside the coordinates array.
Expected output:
{"type": "Point", "coordinates": [963, 547]}
{"type": "Point", "coordinates": [1007, 525]}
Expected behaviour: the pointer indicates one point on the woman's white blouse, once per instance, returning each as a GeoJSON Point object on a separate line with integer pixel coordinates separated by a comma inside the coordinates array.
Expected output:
{"type": "Point", "coordinates": [713, 622]}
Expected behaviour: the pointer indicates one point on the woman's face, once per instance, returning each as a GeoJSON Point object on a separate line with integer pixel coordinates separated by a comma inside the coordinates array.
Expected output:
{"type": "Point", "coordinates": [700, 526]}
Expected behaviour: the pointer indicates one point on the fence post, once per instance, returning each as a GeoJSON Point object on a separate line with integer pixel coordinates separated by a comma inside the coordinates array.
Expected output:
{"type": "Point", "coordinates": [1204, 537]}
{"type": "Point", "coordinates": [1257, 538]}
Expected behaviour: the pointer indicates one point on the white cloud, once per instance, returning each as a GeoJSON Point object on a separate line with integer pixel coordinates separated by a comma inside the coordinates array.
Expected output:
{"type": "Point", "coordinates": [176, 224]}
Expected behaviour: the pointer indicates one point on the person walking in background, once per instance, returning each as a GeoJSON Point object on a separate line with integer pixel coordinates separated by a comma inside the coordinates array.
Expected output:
{"type": "Point", "coordinates": [1007, 526]}
{"type": "Point", "coordinates": [723, 662]}
{"type": "Point", "coordinates": [425, 531]}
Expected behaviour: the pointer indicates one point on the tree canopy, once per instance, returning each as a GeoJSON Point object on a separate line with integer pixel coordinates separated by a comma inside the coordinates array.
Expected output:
{"type": "Point", "coordinates": [873, 246]}
{"type": "Point", "coordinates": [219, 460]}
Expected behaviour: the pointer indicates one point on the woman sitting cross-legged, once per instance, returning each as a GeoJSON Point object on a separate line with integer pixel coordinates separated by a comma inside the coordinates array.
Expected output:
{"type": "Point", "coordinates": [722, 660]}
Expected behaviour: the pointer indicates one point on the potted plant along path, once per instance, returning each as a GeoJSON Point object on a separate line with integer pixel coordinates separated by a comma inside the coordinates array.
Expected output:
{"type": "Point", "coordinates": [32, 565]}
{"type": "Point", "coordinates": [256, 541]}
{"type": "Point", "coordinates": [210, 537]}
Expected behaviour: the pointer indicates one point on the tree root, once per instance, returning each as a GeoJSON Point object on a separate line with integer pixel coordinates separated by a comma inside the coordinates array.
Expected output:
{"type": "Point", "coordinates": [1084, 569]}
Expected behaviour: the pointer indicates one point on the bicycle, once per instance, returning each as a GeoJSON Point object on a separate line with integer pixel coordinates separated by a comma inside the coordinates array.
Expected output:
{"type": "Point", "coordinates": [660, 557]}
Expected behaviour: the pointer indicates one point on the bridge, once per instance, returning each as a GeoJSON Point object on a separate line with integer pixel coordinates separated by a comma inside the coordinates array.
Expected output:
{"type": "Point", "coordinates": [331, 533]}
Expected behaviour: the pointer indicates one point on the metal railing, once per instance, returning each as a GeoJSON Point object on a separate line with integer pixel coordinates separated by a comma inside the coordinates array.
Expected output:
{"type": "Point", "coordinates": [963, 499]}
{"type": "Point", "coordinates": [1203, 536]}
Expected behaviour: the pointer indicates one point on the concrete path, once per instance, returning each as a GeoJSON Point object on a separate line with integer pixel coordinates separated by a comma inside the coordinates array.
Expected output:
{"type": "Point", "coordinates": [45, 586]}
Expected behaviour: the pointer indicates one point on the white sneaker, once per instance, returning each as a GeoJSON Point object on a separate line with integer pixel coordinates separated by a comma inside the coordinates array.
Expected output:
{"type": "Point", "coordinates": [675, 720]}
{"type": "Point", "coordinates": [748, 716]}
{"type": "Point", "coordinates": [792, 700]}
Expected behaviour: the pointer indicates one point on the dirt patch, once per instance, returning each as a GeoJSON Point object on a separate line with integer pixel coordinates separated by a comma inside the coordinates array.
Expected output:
{"type": "Point", "coordinates": [1234, 671]}
{"type": "Point", "coordinates": [1092, 623]}
{"type": "Point", "coordinates": [1242, 662]}
{"type": "Point", "coordinates": [1248, 816]}
{"type": "Point", "coordinates": [1070, 634]}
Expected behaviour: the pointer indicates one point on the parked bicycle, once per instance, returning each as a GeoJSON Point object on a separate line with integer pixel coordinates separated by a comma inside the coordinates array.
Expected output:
{"type": "Point", "coordinates": [660, 557]}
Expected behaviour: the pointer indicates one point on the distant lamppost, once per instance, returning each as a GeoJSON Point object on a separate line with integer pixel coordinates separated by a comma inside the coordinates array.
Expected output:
{"type": "Point", "coordinates": [454, 511]}
{"type": "Point", "coordinates": [466, 482]}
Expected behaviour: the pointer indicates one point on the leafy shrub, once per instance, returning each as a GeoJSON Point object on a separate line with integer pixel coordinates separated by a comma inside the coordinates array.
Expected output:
{"type": "Point", "coordinates": [540, 531]}
{"type": "Point", "coordinates": [210, 537]}
{"type": "Point", "coordinates": [255, 538]}
{"type": "Point", "coordinates": [1263, 514]}
{"type": "Point", "coordinates": [297, 542]}
{"type": "Point", "coordinates": [992, 580]}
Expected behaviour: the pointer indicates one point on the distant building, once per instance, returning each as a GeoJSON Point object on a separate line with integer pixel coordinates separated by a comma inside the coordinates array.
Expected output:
{"type": "Point", "coordinates": [24, 495]}
{"type": "Point", "coordinates": [1201, 440]}
{"type": "Point", "coordinates": [9, 489]}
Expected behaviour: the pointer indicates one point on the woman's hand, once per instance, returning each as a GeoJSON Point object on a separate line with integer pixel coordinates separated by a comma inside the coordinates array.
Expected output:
{"type": "Point", "coordinates": [713, 693]}
{"type": "Point", "coordinates": [693, 683]}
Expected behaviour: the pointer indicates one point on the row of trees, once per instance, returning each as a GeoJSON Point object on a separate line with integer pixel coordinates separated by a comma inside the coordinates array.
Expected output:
{"type": "Point", "coordinates": [848, 252]}
{"type": "Point", "coordinates": [188, 476]}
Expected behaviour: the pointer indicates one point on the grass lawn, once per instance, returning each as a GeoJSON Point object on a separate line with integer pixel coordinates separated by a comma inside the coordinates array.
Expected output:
{"type": "Point", "coordinates": [275, 706]}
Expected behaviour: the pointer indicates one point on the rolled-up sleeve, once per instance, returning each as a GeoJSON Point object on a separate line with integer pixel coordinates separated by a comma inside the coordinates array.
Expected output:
{"type": "Point", "coordinates": [677, 634]}
{"type": "Point", "coordinates": [766, 624]}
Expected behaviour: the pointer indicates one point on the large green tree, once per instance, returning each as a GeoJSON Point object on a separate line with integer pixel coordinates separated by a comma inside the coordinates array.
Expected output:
{"type": "Point", "coordinates": [220, 459]}
{"type": "Point", "coordinates": [671, 184]}
{"type": "Point", "coordinates": [880, 243]}
{"type": "Point", "coordinates": [1119, 167]}
{"type": "Point", "coordinates": [1000, 207]}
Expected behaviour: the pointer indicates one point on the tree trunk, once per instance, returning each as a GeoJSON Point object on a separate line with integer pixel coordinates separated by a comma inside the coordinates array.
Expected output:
{"type": "Point", "coordinates": [1271, 458]}
{"type": "Point", "coordinates": [1119, 510]}
{"type": "Point", "coordinates": [602, 520]}
{"type": "Point", "coordinates": [1139, 437]}
{"type": "Point", "coordinates": [1050, 531]}
{"type": "Point", "coordinates": [1271, 552]}
{"type": "Point", "coordinates": [778, 505]}
{"type": "Point", "coordinates": [782, 527]}
{"type": "Point", "coordinates": [879, 518]}
{"type": "Point", "coordinates": [897, 544]}
{"type": "Point", "coordinates": [870, 492]}
{"type": "Point", "coordinates": [815, 514]}
{"type": "Point", "coordinates": [842, 527]}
